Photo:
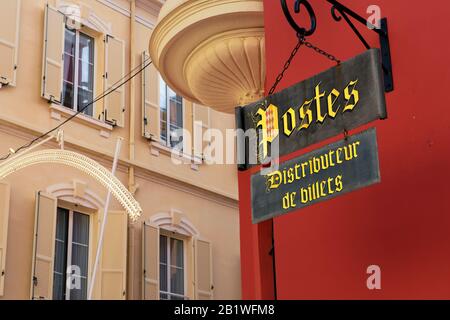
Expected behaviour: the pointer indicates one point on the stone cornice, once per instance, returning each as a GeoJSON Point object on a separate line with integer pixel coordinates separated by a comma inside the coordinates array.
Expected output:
{"type": "Point", "coordinates": [126, 12]}
{"type": "Point", "coordinates": [20, 130]}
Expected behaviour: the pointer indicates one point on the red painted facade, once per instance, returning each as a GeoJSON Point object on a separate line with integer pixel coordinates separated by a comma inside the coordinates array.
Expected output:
{"type": "Point", "coordinates": [401, 224]}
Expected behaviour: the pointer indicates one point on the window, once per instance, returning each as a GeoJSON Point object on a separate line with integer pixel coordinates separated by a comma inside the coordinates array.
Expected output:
{"type": "Point", "coordinates": [78, 73]}
{"type": "Point", "coordinates": [171, 106]}
{"type": "Point", "coordinates": [71, 255]}
{"type": "Point", "coordinates": [171, 268]}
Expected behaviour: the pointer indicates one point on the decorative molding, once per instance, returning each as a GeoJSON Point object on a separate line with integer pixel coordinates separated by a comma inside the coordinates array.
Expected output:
{"type": "Point", "coordinates": [27, 132]}
{"type": "Point", "coordinates": [126, 12]}
{"type": "Point", "coordinates": [169, 6]}
{"type": "Point", "coordinates": [66, 192]}
{"type": "Point", "coordinates": [79, 162]}
{"type": "Point", "coordinates": [83, 14]}
{"type": "Point", "coordinates": [105, 134]}
{"type": "Point", "coordinates": [157, 148]}
{"type": "Point", "coordinates": [113, 5]}
{"type": "Point", "coordinates": [170, 222]}
{"type": "Point", "coordinates": [208, 194]}
{"type": "Point", "coordinates": [55, 115]}
{"type": "Point", "coordinates": [66, 112]}
{"type": "Point", "coordinates": [79, 188]}
{"type": "Point", "coordinates": [146, 23]}
{"type": "Point", "coordinates": [154, 151]}
{"type": "Point", "coordinates": [151, 6]}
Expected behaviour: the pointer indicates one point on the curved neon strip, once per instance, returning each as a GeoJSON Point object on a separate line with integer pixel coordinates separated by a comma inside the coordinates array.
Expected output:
{"type": "Point", "coordinates": [82, 163]}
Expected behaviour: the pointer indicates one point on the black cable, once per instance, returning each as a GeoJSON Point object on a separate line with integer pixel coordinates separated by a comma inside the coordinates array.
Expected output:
{"type": "Point", "coordinates": [103, 95]}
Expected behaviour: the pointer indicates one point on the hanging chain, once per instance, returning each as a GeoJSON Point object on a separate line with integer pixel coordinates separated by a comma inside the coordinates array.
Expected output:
{"type": "Point", "coordinates": [320, 51]}
{"type": "Point", "coordinates": [286, 65]}
{"type": "Point", "coordinates": [301, 41]}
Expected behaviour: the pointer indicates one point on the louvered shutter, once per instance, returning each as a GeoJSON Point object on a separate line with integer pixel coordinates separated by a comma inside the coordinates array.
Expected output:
{"type": "Point", "coordinates": [150, 262]}
{"type": "Point", "coordinates": [44, 247]}
{"type": "Point", "coordinates": [114, 257]}
{"type": "Point", "coordinates": [9, 40]}
{"type": "Point", "coordinates": [4, 215]}
{"type": "Point", "coordinates": [52, 67]}
{"type": "Point", "coordinates": [114, 103]}
{"type": "Point", "coordinates": [203, 270]}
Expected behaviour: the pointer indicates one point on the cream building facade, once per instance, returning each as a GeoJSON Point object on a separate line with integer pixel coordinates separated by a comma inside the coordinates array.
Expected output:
{"type": "Point", "coordinates": [55, 57]}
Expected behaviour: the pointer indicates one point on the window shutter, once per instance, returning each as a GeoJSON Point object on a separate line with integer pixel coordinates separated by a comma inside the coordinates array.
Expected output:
{"type": "Point", "coordinates": [201, 124]}
{"type": "Point", "coordinates": [52, 70]}
{"type": "Point", "coordinates": [203, 270]}
{"type": "Point", "coordinates": [188, 122]}
{"type": "Point", "coordinates": [150, 109]}
{"type": "Point", "coordinates": [9, 40]}
{"type": "Point", "coordinates": [114, 102]}
{"type": "Point", "coordinates": [150, 263]}
{"type": "Point", "coordinates": [44, 247]}
{"type": "Point", "coordinates": [114, 257]}
{"type": "Point", "coordinates": [4, 214]}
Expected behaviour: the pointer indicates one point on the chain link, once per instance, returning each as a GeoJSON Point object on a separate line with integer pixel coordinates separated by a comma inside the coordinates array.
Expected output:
{"type": "Point", "coordinates": [301, 41]}
{"type": "Point", "coordinates": [320, 51]}
{"type": "Point", "coordinates": [286, 65]}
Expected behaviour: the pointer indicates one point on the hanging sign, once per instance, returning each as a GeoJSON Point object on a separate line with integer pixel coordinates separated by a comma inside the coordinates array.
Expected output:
{"type": "Point", "coordinates": [341, 98]}
{"type": "Point", "coordinates": [331, 171]}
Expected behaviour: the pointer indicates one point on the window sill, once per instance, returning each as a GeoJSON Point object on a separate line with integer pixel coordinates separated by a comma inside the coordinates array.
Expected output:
{"type": "Point", "coordinates": [156, 148]}
{"type": "Point", "coordinates": [57, 111]}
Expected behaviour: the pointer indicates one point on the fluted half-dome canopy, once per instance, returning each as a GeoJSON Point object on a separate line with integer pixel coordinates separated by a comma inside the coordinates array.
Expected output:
{"type": "Point", "coordinates": [211, 51]}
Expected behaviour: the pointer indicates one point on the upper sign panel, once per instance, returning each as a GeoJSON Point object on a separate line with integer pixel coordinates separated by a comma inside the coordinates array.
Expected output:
{"type": "Point", "coordinates": [339, 99]}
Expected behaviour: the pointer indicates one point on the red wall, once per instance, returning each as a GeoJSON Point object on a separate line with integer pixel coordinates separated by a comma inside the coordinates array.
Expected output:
{"type": "Point", "coordinates": [401, 224]}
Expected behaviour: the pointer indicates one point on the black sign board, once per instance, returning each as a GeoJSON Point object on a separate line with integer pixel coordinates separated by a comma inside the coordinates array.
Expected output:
{"type": "Point", "coordinates": [336, 169]}
{"type": "Point", "coordinates": [337, 100]}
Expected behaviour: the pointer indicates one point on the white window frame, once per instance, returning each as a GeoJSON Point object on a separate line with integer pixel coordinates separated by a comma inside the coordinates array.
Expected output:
{"type": "Point", "coordinates": [170, 235]}
{"type": "Point", "coordinates": [76, 70]}
{"type": "Point", "coordinates": [166, 87]}
{"type": "Point", "coordinates": [69, 247]}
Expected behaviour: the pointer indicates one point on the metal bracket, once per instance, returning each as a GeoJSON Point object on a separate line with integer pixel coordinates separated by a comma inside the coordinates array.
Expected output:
{"type": "Point", "coordinates": [386, 57]}
{"type": "Point", "coordinates": [345, 12]}
{"type": "Point", "coordinates": [381, 30]}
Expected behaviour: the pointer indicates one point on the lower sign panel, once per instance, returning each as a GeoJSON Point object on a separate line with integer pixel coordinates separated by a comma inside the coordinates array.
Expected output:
{"type": "Point", "coordinates": [317, 176]}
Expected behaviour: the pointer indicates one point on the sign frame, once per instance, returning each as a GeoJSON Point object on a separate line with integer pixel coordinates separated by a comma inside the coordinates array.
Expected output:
{"type": "Point", "coordinates": [363, 169]}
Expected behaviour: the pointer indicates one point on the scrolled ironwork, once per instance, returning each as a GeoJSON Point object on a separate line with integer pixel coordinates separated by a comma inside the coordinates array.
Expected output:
{"type": "Point", "coordinates": [334, 15]}
{"type": "Point", "coordinates": [297, 6]}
